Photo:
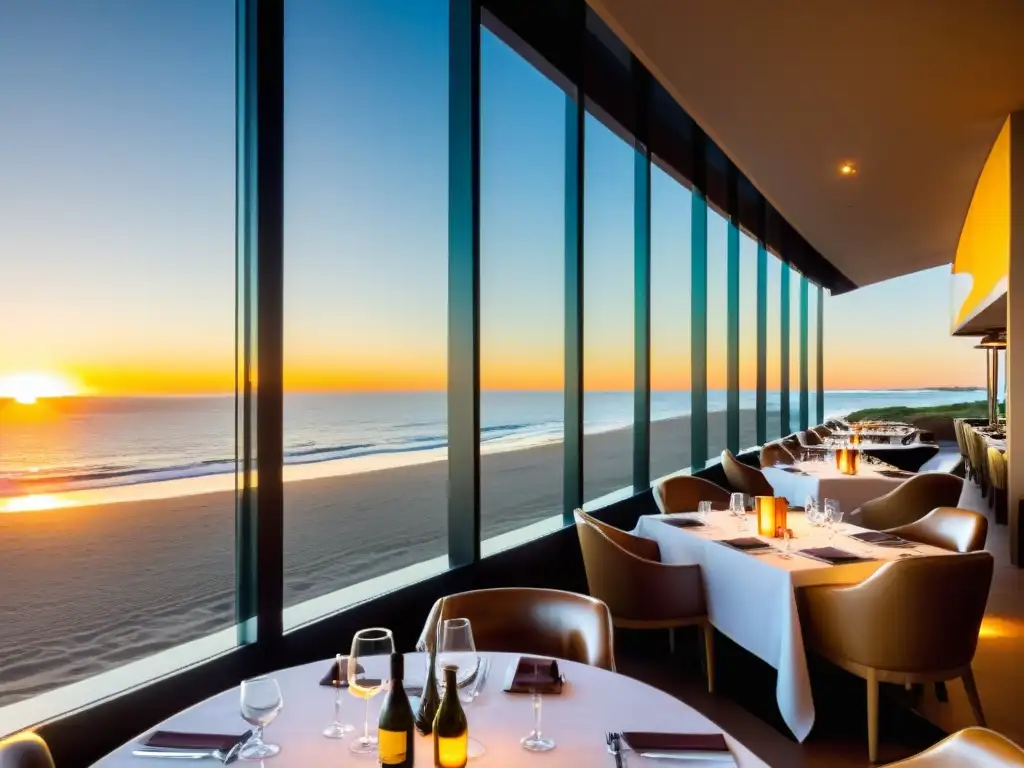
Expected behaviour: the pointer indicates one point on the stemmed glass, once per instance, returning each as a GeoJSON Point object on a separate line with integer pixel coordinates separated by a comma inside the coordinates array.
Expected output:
{"type": "Point", "coordinates": [738, 507]}
{"type": "Point", "coordinates": [811, 511]}
{"type": "Point", "coordinates": [833, 515]}
{"type": "Point", "coordinates": [337, 730]}
{"type": "Point", "coordinates": [367, 642]}
{"type": "Point", "coordinates": [535, 741]}
{"type": "Point", "coordinates": [458, 649]}
{"type": "Point", "coordinates": [703, 511]}
{"type": "Point", "coordinates": [260, 703]}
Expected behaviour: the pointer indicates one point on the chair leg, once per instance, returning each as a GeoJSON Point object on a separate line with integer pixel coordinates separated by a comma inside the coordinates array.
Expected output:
{"type": "Point", "coordinates": [872, 715]}
{"type": "Point", "coordinates": [972, 697]}
{"type": "Point", "coordinates": [709, 654]}
{"type": "Point", "coordinates": [941, 693]}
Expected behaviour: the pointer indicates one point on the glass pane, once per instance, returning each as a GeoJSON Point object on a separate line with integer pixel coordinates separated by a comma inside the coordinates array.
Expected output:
{"type": "Point", "coordinates": [812, 354]}
{"type": "Point", "coordinates": [522, 291]}
{"type": "Point", "coordinates": [748, 341]}
{"type": "Point", "coordinates": [772, 367]}
{"type": "Point", "coordinates": [718, 332]}
{"type": "Point", "coordinates": [670, 324]}
{"type": "Point", "coordinates": [795, 356]}
{"type": "Point", "coordinates": [117, 319]}
{"type": "Point", "coordinates": [366, 266]}
{"type": "Point", "coordinates": [607, 312]}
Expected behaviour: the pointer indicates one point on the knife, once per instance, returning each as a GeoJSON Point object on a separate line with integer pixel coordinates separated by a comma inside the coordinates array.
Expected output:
{"type": "Point", "coordinates": [704, 757]}
{"type": "Point", "coordinates": [616, 744]}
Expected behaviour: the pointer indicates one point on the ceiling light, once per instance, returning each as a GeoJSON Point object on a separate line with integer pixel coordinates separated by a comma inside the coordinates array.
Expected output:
{"type": "Point", "coordinates": [847, 168]}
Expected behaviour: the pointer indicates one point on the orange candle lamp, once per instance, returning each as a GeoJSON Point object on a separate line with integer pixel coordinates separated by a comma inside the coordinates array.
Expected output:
{"type": "Point", "coordinates": [847, 460]}
{"type": "Point", "coordinates": [855, 438]}
{"type": "Point", "coordinates": [771, 515]}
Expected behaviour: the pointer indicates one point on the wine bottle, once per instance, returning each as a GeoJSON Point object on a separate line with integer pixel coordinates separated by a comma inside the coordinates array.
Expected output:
{"type": "Point", "coordinates": [396, 725]}
{"type": "Point", "coordinates": [430, 699]}
{"type": "Point", "coordinates": [451, 731]}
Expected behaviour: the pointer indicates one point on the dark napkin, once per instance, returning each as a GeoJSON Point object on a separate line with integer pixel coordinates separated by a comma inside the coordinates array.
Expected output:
{"type": "Point", "coordinates": [881, 538]}
{"type": "Point", "coordinates": [201, 741]}
{"type": "Point", "coordinates": [895, 473]}
{"type": "Point", "coordinates": [745, 543]}
{"type": "Point", "coordinates": [535, 675]}
{"type": "Point", "coordinates": [683, 522]}
{"type": "Point", "coordinates": [792, 470]}
{"type": "Point", "coordinates": [333, 680]}
{"type": "Point", "coordinates": [832, 555]}
{"type": "Point", "coordinates": [651, 741]}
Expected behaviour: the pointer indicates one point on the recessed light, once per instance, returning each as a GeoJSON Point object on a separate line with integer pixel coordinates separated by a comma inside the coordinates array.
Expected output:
{"type": "Point", "coordinates": [847, 168]}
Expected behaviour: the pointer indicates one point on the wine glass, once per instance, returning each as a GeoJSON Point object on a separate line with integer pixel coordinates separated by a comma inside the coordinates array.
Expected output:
{"type": "Point", "coordinates": [833, 515]}
{"type": "Point", "coordinates": [260, 703]}
{"type": "Point", "coordinates": [337, 729]}
{"type": "Point", "coordinates": [458, 649]}
{"type": "Point", "coordinates": [811, 510]}
{"type": "Point", "coordinates": [367, 642]}
{"type": "Point", "coordinates": [535, 741]}
{"type": "Point", "coordinates": [738, 507]}
{"type": "Point", "coordinates": [703, 511]}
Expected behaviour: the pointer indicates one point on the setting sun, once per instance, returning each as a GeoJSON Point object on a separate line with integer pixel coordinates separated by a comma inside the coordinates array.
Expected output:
{"type": "Point", "coordinates": [27, 388]}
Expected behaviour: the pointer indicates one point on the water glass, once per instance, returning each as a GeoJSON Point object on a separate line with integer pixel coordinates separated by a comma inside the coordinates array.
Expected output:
{"type": "Point", "coordinates": [535, 741]}
{"type": "Point", "coordinates": [260, 703]}
{"type": "Point", "coordinates": [337, 729]}
{"type": "Point", "coordinates": [703, 511]}
{"type": "Point", "coordinates": [368, 642]}
{"type": "Point", "coordinates": [811, 511]}
{"type": "Point", "coordinates": [738, 507]}
{"type": "Point", "coordinates": [833, 515]}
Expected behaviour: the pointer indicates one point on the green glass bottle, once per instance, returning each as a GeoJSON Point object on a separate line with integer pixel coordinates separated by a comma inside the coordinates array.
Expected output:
{"type": "Point", "coordinates": [396, 735]}
{"type": "Point", "coordinates": [430, 699]}
{"type": "Point", "coordinates": [451, 730]}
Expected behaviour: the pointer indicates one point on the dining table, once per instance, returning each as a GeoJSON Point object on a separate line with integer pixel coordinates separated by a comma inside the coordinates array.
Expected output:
{"type": "Point", "coordinates": [751, 598]}
{"type": "Point", "coordinates": [593, 703]}
{"type": "Point", "coordinates": [821, 480]}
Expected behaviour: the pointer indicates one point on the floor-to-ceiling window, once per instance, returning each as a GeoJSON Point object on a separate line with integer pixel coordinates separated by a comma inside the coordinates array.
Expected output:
{"type": "Point", "coordinates": [117, 346]}
{"type": "Point", "coordinates": [748, 341]}
{"type": "Point", "coordinates": [812, 355]}
{"type": "Point", "coordinates": [795, 326]}
{"type": "Point", "coordinates": [717, 332]}
{"type": "Point", "coordinates": [366, 296]}
{"type": "Point", "coordinates": [774, 356]}
{"type": "Point", "coordinates": [608, 311]}
{"type": "Point", "coordinates": [670, 324]}
{"type": "Point", "coordinates": [521, 290]}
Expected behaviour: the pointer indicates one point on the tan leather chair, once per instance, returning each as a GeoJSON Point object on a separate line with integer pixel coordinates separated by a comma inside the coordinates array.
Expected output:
{"type": "Point", "coordinates": [792, 444]}
{"type": "Point", "coordinates": [641, 593]}
{"type": "Point", "coordinates": [958, 530]}
{"type": "Point", "coordinates": [546, 622]}
{"type": "Point", "coordinates": [648, 549]}
{"type": "Point", "coordinates": [823, 431]}
{"type": "Point", "coordinates": [24, 750]}
{"type": "Point", "coordinates": [961, 442]}
{"type": "Point", "coordinates": [775, 453]}
{"type": "Point", "coordinates": [682, 494]}
{"type": "Point", "coordinates": [743, 478]}
{"type": "Point", "coordinates": [808, 438]}
{"type": "Point", "coordinates": [979, 458]}
{"type": "Point", "coordinates": [997, 477]}
{"type": "Point", "coordinates": [912, 621]}
{"type": "Point", "coordinates": [969, 748]}
{"type": "Point", "coordinates": [909, 501]}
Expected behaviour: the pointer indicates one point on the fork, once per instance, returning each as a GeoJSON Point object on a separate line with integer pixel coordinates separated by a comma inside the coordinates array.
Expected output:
{"type": "Point", "coordinates": [613, 740]}
{"type": "Point", "coordinates": [226, 758]}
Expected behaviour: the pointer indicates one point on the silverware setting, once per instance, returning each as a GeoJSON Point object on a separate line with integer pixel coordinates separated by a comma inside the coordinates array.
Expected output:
{"type": "Point", "coordinates": [614, 742]}
{"type": "Point", "coordinates": [225, 758]}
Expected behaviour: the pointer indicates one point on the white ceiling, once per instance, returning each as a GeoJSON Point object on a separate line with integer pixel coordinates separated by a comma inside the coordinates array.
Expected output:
{"type": "Point", "coordinates": [914, 91]}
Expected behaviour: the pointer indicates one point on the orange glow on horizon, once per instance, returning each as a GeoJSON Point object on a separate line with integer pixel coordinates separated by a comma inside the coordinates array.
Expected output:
{"type": "Point", "coordinates": [27, 388]}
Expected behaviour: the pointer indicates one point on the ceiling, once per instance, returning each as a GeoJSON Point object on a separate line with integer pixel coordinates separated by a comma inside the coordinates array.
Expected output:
{"type": "Point", "coordinates": [913, 91]}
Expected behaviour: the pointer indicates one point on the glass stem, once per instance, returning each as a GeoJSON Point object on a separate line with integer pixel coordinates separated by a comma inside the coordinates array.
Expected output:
{"type": "Point", "coordinates": [337, 705]}
{"type": "Point", "coordinates": [257, 737]}
{"type": "Point", "coordinates": [536, 714]}
{"type": "Point", "coordinates": [366, 722]}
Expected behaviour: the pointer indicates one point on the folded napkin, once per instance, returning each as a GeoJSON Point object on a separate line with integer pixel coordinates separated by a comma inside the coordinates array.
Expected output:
{"type": "Point", "coordinates": [334, 679]}
{"type": "Point", "coordinates": [683, 522]}
{"type": "Point", "coordinates": [898, 473]}
{"type": "Point", "coordinates": [651, 741]}
{"type": "Point", "coordinates": [745, 544]}
{"type": "Point", "coordinates": [535, 675]}
{"type": "Point", "coordinates": [881, 538]}
{"type": "Point", "coordinates": [197, 741]}
{"type": "Point", "coordinates": [833, 555]}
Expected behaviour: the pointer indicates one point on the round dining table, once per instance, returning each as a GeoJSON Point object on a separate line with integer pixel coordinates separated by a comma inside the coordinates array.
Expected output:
{"type": "Point", "coordinates": [593, 702]}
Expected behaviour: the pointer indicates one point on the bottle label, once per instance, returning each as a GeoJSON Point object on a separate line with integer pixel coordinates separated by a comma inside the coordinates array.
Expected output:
{"type": "Point", "coordinates": [393, 747]}
{"type": "Point", "coordinates": [452, 752]}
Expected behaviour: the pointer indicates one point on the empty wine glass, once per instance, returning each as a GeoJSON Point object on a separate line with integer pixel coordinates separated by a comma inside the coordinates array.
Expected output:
{"type": "Point", "coordinates": [833, 515]}
{"type": "Point", "coordinates": [535, 741]}
{"type": "Point", "coordinates": [337, 729]}
{"type": "Point", "coordinates": [703, 511]}
{"type": "Point", "coordinates": [458, 649]}
{"type": "Point", "coordinates": [361, 684]}
{"type": "Point", "coordinates": [738, 507]}
{"type": "Point", "coordinates": [260, 703]}
{"type": "Point", "coordinates": [811, 510]}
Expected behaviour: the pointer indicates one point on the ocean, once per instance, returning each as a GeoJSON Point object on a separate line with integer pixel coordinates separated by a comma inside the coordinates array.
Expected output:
{"type": "Point", "coordinates": [88, 443]}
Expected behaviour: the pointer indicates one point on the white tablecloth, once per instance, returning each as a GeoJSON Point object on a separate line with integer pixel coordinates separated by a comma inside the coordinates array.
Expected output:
{"type": "Point", "coordinates": [821, 480]}
{"type": "Point", "coordinates": [595, 701]}
{"type": "Point", "coordinates": [751, 598]}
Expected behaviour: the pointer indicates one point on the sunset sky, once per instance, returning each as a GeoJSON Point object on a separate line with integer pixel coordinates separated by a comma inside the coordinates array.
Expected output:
{"type": "Point", "coordinates": [117, 216]}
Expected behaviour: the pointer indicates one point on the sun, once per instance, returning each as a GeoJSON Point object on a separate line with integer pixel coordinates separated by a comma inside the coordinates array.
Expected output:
{"type": "Point", "coordinates": [27, 388]}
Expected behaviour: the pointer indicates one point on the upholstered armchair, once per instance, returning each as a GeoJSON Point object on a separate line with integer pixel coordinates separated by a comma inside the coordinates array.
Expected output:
{"type": "Point", "coordinates": [683, 493]}
{"type": "Point", "coordinates": [24, 750]}
{"type": "Point", "coordinates": [974, 747]}
{"type": "Point", "coordinates": [808, 438]}
{"type": "Point", "coordinates": [909, 501]}
{"type": "Point", "coordinates": [775, 453]}
{"type": "Point", "coordinates": [546, 622]}
{"type": "Point", "coordinates": [641, 593]}
{"type": "Point", "coordinates": [914, 620]}
{"type": "Point", "coordinates": [958, 530]}
{"type": "Point", "coordinates": [745, 479]}
{"type": "Point", "coordinates": [997, 479]}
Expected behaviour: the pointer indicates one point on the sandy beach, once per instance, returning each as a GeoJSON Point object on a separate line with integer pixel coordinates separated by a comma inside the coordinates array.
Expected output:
{"type": "Point", "coordinates": [95, 587]}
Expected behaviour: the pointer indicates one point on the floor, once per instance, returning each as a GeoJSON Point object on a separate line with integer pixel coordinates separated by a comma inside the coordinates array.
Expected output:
{"type": "Point", "coordinates": [744, 702]}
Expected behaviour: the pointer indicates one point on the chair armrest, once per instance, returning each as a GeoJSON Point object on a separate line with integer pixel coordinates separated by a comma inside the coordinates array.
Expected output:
{"type": "Point", "coordinates": [642, 590]}
{"type": "Point", "coordinates": [839, 621]}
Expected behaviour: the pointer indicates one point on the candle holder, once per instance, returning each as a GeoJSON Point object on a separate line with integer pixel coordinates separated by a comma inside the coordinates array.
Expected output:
{"type": "Point", "coordinates": [771, 515]}
{"type": "Point", "coordinates": [847, 460]}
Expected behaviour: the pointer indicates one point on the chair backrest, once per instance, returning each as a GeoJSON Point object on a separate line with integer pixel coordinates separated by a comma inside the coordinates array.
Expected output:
{"type": "Point", "coordinates": [979, 452]}
{"type": "Point", "coordinates": [775, 453]}
{"type": "Point", "coordinates": [743, 478]}
{"type": "Point", "coordinates": [546, 622]}
{"type": "Point", "coordinates": [997, 468]}
{"type": "Point", "coordinates": [909, 438]}
{"type": "Point", "coordinates": [974, 747]}
{"type": "Point", "coordinates": [822, 431]}
{"type": "Point", "coordinates": [24, 750]}
{"type": "Point", "coordinates": [910, 501]}
{"type": "Point", "coordinates": [932, 609]}
{"type": "Point", "coordinates": [644, 548]}
{"type": "Point", "coordinates": [808, 437]}
{"type": "Point", "coordinates": [958, 427]}
{"type": "Point", "coordinates": [682, 493]}
{"type": "Point", "coordinates": [952, 528]}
